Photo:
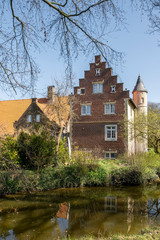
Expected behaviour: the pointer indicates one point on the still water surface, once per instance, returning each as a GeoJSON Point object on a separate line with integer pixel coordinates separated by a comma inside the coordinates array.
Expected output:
{"type": "Point", "coordinates": [78, 212]}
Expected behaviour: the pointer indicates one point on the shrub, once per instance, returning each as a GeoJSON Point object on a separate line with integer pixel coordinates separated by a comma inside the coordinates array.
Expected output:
{"type": "Point", "coordinates": [96, 176]}
{"type": "Point", "coordinates": [18, 181]}
{"type": "Point", "coordinates": [126, 176]}
{"type": "Point", "coordinates": [72, 176]}
{"type": "Point", "coordinates": [63, 155]}
{"type": "Point", "coordinates": [8, 153]}
{"type": "Point", "coordinates": [36, 151]}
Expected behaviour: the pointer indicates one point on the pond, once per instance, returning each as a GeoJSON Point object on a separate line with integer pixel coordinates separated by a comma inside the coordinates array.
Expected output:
{"type": "Point", "coordinates": [78, 212]}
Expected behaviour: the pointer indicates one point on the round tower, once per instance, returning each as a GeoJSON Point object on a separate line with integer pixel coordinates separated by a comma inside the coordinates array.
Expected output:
{"type": "Point", "coordinates": [140, 99]}
{"type": "Point", "coordinates": [140, 96]}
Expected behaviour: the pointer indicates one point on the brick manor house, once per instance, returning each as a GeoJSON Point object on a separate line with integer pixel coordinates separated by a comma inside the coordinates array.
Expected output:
{"type": "Point", "coordinates": [100, 108]}
{"type": "Point", "coordinates": [95, 122]}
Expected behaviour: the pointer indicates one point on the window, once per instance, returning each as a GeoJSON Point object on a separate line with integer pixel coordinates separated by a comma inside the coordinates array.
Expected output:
{"type": "Point", "coordinates": [97, 71]}
{"type": "Point", "coordinates": [78, 91]}
{"type": "Point", "coordinates": [110, 132]}
{"type": "Point", "coordinates": [109, 108]}
{"type": "Point", "coordinates": [110, 204]}
{"type": "Point", "coordinates": [82, 91]}
{"type": "Point", "coordinates": [98, 88]}
{"type": "Point", "coordinates": [85, 109]}
{"type": "Point", "coordinates": [29, 118]}
{"type": "Point", "coordinates": [113, 89]}
{"type": "Point", "coordinates": [38, 117]}
{"type": "Point", "coordinates": [142, 100]}
{"type": "Point", "coordinates": [110, 155]}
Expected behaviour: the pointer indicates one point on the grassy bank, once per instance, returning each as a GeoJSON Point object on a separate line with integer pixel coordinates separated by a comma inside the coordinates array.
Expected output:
{"type": "Point", "coordinates": [83, 171]}
{"type": "Point", "coordinates": [146, 234]}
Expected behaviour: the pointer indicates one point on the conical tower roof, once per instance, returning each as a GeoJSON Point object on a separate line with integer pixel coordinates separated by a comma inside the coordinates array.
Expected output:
{"type": "Point", "coordinates": [139, 85]}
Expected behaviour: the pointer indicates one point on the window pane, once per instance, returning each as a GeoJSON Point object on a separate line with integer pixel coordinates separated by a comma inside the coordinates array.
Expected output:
{"type": "Point", "coordinates": [113, 89]}
{"type": "Point", "coordinates": [88, 109]}
{"type": "Point", "coordinates": [108, 133]}
{"type": "Point", "coordinates": [113, 155]}
{"type": "Point", "coordinates": [98, 71]}
{"type": "Point", "coordinates": [107, 108]}
{"type": "Point", "coordinates": [94, 88]}
{"type": "Point", "coordinates": [82, 91]}
{"type": "Point", "coordinates": [107, 155]}
{"type": "Point", "coordinates": [100, 88]}
{"type": "Point", "coordinates": [38, 118]}
{"type": "Point", "coordinates": [113, 134]}
{"type": "Point", "coordinates": [112, 108]}
{"type": "Point", "coordinates": [29, 118]}
{"type": "Point", "coordinates": [83, 109]}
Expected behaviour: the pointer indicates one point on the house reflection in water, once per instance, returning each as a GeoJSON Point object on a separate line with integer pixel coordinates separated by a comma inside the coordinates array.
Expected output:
{"type": "Point", "coordinates": [110, 204]}
{"type": "Point", "coordinates": [62, 219]}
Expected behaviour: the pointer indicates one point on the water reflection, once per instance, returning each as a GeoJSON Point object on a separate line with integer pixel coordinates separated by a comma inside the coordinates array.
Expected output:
{"type": "Point", "coordinates": [77, 212]}
{"type": "Point", "coordinates": [154, 209]}
{"type": "Point", "coordinates": [62, 219]}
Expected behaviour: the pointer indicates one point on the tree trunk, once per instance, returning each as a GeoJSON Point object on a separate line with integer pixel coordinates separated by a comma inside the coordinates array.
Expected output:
{"type": "Point", "coordinates": [59, 138]}
{"type": "Point", "coordinates": [156, 145]}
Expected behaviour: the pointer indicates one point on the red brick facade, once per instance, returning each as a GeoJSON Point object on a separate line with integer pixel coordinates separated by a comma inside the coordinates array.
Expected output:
{"type": "Point", "coordinates": [90, 126]}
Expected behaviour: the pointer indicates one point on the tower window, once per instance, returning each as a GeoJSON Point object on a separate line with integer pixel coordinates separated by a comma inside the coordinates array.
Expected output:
{"type": "Point", "coordinates": [142, 100]}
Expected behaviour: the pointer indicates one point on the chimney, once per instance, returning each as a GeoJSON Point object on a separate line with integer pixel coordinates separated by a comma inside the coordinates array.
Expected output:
{"type": "Point", "coordinates": [98, 59]}
{"type": "Point", "coordinates": [51, 94]}
{"type": "Point", "coordinates": [34, 100]}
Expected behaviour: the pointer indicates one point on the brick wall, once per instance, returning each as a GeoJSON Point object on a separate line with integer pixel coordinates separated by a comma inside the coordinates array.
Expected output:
{"type": "Point", "coordinates": [88, 131]}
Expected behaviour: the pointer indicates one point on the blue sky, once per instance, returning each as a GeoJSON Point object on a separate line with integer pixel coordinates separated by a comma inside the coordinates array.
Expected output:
{"type": "Point", "coordinates": [141, 56]}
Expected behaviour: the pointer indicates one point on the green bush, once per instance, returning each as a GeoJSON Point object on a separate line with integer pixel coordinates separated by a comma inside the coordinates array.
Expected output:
{"type": "Point", "coordinates": [18, 181]}
{"type": "Point", "coordinates": [62, 155]}
{"type": "Point", "coordinates": [36, 150]}
{"type": "Point", "coordinates": [8, 153]}
{"type": "Point", "coordinates": [96, 176]}
{"type": "Point", "coordinates": [126, 176]}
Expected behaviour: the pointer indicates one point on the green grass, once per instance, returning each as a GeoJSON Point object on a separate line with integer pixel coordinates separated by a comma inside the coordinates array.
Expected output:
{"type": "Point", "coordinates": [153, 233]}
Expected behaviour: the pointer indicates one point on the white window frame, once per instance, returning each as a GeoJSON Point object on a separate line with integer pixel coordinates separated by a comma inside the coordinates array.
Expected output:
{"type": "Point", "coordinates": [112, 129]}
{"type": "Point", "coordinates": [81, 91]}
{"type": "Point", "coordinates": [78, 91]}
{"type": "Point", "coordinates": [98, 71]}
{"type": "Point", "coordinates": [97, 88]}
{"type": "Point", "coordinates": [113, 89]}
{"type": "Point", "coordinates": [111, 108]}
{"type": "Point", "coordinates": [85, 109]}
{"type": "Point", "coordinates": [29, 118]}
{"type": "Point", "coordinates": [110, 204]}
{"type": "Point", "coordinates": [38, 117]}
{"type": "Point", "coordinates": [110, 154]}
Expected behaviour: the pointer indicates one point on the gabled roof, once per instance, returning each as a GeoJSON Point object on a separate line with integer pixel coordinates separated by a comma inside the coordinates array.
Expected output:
{"type": "Point", "coordinates": [139, 85]}
{"type": "Point", "coordinates": [10, 111]}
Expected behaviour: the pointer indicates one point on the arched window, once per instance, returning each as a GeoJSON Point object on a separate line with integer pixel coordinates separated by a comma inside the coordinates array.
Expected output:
{"type": "Point", "coordinates": [142, 100]}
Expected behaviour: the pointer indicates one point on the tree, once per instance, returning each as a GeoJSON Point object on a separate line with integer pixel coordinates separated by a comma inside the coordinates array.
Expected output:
{"type": "Point", "coordinates": [154, 129]}
{"type": "Point", "coordinates": [152, 8]}
{"type": "Point", "coordinates": [35, 150]}
{"type": "Point", "coordinates": [70, 25]}
{"type": "Point", "coordinates": [146, 128]}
